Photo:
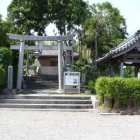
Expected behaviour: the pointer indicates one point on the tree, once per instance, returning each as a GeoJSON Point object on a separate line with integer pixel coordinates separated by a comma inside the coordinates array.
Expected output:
{"type": "Point", "coordinates": [35, 15]}
{"type": "Point", "coordinates": [5, 58]}
{"type": "Point", "coordinates": [4, 28]}
{"type": "Point", "coordinates": [104, 29]}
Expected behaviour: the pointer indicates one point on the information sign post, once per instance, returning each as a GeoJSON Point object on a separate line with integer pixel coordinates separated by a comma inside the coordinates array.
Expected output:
{"type": "Point", "coordinates": [71, 82]}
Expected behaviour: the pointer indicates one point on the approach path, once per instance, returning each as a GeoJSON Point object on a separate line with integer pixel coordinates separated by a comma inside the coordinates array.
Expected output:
{"type": "Point", "coordinates": [52, 125]}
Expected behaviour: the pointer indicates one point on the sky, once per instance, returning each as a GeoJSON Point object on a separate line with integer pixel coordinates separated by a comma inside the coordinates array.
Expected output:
{"type": "Point", "coordinates": [130, 9]}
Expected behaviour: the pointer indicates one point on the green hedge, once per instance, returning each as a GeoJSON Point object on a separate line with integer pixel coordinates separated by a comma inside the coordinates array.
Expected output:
{"type": "Point", "coordinates": [2, 77]}
{"type": "Point", "coordinates": [118, 92]}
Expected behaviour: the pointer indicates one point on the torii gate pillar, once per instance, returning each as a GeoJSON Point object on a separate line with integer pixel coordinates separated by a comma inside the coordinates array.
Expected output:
{"type": "Point", "coordinates": [20, 64]}
{"type": "Point", "coordinates": [60, 76]}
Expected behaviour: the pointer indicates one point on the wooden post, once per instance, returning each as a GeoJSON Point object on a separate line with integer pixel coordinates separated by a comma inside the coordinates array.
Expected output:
{"type": "Point", "coordinates": [121, 69]}
{"type": "Point", "coordinates": [112, 71]}
{"type": "Point", "coordinates": [136, 71]}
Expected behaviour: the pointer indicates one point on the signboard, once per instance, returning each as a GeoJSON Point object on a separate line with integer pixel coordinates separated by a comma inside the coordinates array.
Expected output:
{"type": "Point", "coordinates": [72, 80]}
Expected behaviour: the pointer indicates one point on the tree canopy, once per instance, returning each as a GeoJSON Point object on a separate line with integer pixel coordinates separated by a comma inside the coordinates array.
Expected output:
{"type": "Point", "coordinates": [104, 29]}
{"type": "Point", "coordinates": [36, 15]}
{"type": "Point", "coordinates": [4, 28]}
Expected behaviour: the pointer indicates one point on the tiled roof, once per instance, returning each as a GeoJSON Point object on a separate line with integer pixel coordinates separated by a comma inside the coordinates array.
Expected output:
{"type": "Point", "coordinates": [125, 45]}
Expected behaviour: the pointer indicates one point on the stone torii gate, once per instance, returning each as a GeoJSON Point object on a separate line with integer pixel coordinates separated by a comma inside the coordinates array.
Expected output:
{"type": "Point", "coordinates": [22, 47]}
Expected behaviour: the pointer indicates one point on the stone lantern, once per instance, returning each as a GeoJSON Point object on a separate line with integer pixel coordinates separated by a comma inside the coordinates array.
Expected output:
{"type": "Point", "coordinates": [36, 63]}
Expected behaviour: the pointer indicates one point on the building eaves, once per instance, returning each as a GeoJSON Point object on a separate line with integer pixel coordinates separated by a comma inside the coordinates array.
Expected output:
{"type": "Point", "coordinates": [122, 47]}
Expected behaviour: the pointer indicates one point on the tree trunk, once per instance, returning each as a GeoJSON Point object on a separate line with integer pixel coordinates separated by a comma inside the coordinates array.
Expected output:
{"type": "Point", "coordinates": [107, 102]}
{"type": "Point", "coordinates": [117, 103]}
{"type": "Point", "coordinates": [96, 52]}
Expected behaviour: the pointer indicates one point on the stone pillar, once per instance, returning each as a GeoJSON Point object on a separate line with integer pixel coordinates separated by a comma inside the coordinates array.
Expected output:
{"type": "Point", "coordinates": [20, 64]}
{"type": "Point", "coordinates": [60, 76]}
{"type": "Point", "coordinates": [10, 77]}
{"type": "Point", "coordinates": [27, 64]}
{"type": "Point", "coordinates": [84, 78]}
{"type": "Point", "coordinates": [121, 69]}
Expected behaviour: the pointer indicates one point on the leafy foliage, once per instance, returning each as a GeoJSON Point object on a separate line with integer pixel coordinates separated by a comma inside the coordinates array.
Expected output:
{"type": "Point", "coordinates": [104, 29]}
{"type": "Point", "coordinates": [36, 15]}
{"type": "Point", "coordinates": [2, 77]}
{"type": "Point", "coordinates": [100, 88]}
{"type": "Point", "coordinates": [4, 28]}
{"type": "Point", "coordinates": [129, 72]}
{"type": "Point", "coordinates": [5, 57]}
{"type": "Point", "coordinates": [80, 66]}
{"type": "Point", "coordinates": [83, 67]}
{"type": "Point", "coordinates": [91, 86]}
{"type": "Point", "coordinates": [120, 91]}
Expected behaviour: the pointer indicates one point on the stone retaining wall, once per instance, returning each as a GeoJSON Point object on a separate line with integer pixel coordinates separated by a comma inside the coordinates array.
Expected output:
{"type": "Point", "coordinates": [48, 70]}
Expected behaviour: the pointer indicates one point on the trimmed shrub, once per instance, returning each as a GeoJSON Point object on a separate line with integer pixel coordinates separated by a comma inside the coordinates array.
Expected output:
{"type": "Point", "coordinates": [115, 91]}
{"type": "Point", "coordinates": [118, 92]}
{"type": "Point", "coordinates": [101, 88]}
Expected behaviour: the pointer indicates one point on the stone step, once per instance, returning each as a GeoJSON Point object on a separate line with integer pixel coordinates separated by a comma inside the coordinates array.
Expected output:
{"type": "Point", "coordinates": [36, 86]}
{"type": "Point", "coordinates": [62, 97]}
{"type": "Point", "coordinates": [42, 86]}
{"type": "Point", "coordinates": [49, 77]}
{"type": "Point", "coordinates": [47, 106]}
{"type": "Point", "coordinates": [44, 101]}
{"type": "Point", "coordinates": [42, 82]}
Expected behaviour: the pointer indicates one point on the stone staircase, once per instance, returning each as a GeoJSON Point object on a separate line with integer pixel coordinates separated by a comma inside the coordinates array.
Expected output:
{"type": "Point", "coordinates": [47, 102]}
{"type": "Point", "coordinates": [42, 94]}
{"type": "Point", "coordinates": [42, 82]}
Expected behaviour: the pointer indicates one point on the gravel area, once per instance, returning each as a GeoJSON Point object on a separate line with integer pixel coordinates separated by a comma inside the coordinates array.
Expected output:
{"type": "Point", "coordinates": [53, 125]}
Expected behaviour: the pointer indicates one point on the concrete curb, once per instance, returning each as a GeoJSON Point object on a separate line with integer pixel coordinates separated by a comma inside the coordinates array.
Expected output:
{"type": "Point", "coordinates": [95, 102]}
{"type": "Point", "coordinates": [51, 110]}
{"type": "Point", "coordinates": [109, 114]}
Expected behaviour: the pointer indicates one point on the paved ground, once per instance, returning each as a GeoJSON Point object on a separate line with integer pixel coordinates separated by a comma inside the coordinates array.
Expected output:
{"type": "Point", "coordinates": [47, 125]}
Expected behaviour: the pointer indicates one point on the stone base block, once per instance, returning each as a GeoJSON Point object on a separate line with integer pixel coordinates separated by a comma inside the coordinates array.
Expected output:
{"type": "Point", "coordinates": [95, 102]}
{"type": "Point", "coordinates": [10, 91]}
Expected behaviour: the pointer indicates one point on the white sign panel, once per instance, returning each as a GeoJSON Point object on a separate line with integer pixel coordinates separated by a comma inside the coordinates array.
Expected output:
{"type": "Point", "coordinates": [72, 80]}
